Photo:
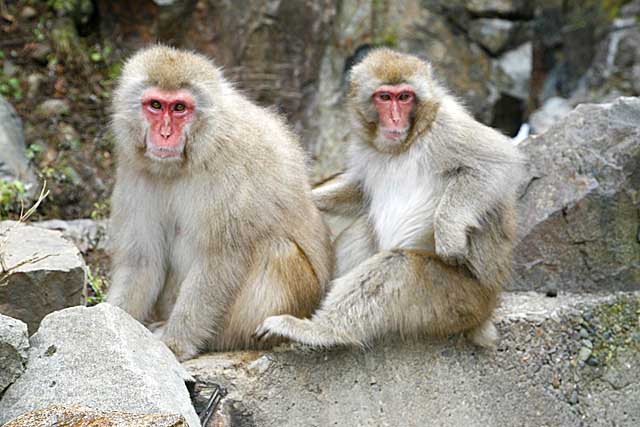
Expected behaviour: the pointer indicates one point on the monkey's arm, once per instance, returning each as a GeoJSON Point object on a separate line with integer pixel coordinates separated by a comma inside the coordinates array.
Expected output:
{"type": "Point", "coordinates": [339, 194]}
{"type": "Point", "coordinates": [468, 197]}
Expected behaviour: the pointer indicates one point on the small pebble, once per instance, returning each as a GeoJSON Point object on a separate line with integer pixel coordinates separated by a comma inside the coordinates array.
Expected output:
{"type": "Point", "coordinates": [28, 12]}
{"type": "Point", "coordinates": [584, 354]}
{"type": "Point", "coordinates": [574, 397]}
{"type": "Point", "coordinates": [52, 108]}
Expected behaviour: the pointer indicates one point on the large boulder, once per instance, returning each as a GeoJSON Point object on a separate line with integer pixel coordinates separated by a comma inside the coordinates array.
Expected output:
{"type": "Point", "coordinates": [13, 159]}
{"type": "Point", "coordinates": [566, 361]}
{"type": "Point", "coordinates": [99, 357]}
{"type": "Point", "coordinates": [87, 234]}
{"type": "Point", "coordinates": [14, 344]}
{"type": "Point", "coordinates": [41, 272]}
{"type": "Point", "coordinates": [579, 211]}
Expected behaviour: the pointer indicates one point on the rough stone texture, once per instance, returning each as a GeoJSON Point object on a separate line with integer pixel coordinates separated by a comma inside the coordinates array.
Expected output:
{"type": "Point", "coordinates": [14, 344]}
{"type": "Point", "coordinates": [579, 219]}
{"type": "Point", "coordinates": [86, 234]}
{"type": "Point", "coordinates": [553, 110]}
{"type": "Point", "coordinates": [533, 379]}
{"type": "Point", "coordinates": [44, 273]}
{"type": "Point", "coordinates": [102, 358]}
{"type": "Point", "coordinates": [13, 161]}
{"type": "Point", "coordinates": [514, 72]}
{"type": "Point", "coordinates": [78, 416]}
{"type": "Point", "coordinates": [616, 67]}
{"type": "Point", "coordinates": [52, 108]}
{"type": "Point", "coordinates": [492, 33]}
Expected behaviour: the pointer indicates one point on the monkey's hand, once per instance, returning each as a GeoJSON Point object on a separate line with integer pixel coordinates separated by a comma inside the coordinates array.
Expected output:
{"type": "Point", "coordinates": [451, 243]}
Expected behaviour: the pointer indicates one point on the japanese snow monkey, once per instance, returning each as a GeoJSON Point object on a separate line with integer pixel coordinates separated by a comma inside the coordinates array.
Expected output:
{"type": "Point", "coordinates": [213, 224]}
{"type": "Point", "coordinates": [433, 192]}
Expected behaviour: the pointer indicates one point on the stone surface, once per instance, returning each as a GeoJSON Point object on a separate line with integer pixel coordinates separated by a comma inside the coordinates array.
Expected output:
{"type": "Point", "coordinates": [14, 344]}
{"type": "Point", "coordinates": [102, 358]}
{"type": "Point", "coordinates": [13, 160]}
{"type": "Point", "coordinates": [86, 234]}
{"type": "Point", "coordinates": [579, 212]}
{"type": "Point", "coordinates": [492, 33]}
{"type": "Point", "coordinates": [553, 110]}
{"type": "Point", "coordinates": [54, 416]}
{"type": "Point", "coordinates": [44, 273]}
{"type": "Point", "coordinates": [52, 108]}
{"type": "Point", "coordinates": [514, 72]}
{"type": "Point", "coordinates": [533, 379]}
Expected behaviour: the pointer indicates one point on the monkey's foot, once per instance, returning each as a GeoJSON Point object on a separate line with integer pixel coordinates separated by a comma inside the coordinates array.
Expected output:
{"type": "Point", "coordinates": [274, 326]}
{"type": "Point", "coordinates": [183, 349]}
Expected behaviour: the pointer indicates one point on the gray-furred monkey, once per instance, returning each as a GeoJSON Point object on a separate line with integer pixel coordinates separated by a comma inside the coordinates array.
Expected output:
{"type": "Point", "coordinates": [213, 223]}
{"type": "Point", "coordinates": [434, 194]}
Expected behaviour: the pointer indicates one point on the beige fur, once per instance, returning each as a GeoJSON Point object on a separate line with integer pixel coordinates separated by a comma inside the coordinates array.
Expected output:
{"type": "Point", "coordinates": [430, 246]}
{"type": "Point", "coordinates": [211, 245]}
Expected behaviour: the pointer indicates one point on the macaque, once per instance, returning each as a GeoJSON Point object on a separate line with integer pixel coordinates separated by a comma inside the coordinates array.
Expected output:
{"type": "Point", "coordinates": [213, 224]}
{"type": "Point", "coordinates": [433, 194]}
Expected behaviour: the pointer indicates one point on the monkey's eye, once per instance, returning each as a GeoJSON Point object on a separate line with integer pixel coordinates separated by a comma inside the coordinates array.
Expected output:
{"type": "Point", "coordinates": [384, 96]}
{"type": "Point", "coordinates": [179, 107]}
{"type": "Point", "coordinates": [405, 96]}
{"type": "Point", "coordinates": [156, 105]}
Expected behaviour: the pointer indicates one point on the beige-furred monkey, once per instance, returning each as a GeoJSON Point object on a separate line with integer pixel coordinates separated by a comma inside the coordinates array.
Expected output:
{"type": "Point", "coordinates": [434, 193]}
{"type": "Point", "coordinates": [213, 225]}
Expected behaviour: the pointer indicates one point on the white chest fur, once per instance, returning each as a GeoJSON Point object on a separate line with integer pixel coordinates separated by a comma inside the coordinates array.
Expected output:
{"type": "Point", "coordinates": [403, 194]}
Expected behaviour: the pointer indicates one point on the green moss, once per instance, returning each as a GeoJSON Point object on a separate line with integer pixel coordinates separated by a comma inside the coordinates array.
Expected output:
{"type": "Point", "coordinates": [12, 197]}
{"type": "Point", "coordinates": [617, 326]}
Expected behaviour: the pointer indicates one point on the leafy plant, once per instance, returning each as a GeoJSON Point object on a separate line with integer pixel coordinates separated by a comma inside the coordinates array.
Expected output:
{"type": "Point", "coordinates": [97, 286]}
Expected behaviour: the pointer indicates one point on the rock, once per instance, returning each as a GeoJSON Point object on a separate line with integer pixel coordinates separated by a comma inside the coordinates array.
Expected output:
{"type": "Point", "coordinates": [553, 110]}
{"type": "Point", "coordinates": [28, 12]}
{"type": "Point", "coordinates": [9, 69]}
{"type": "Point", "coordinates": [53, 108]}
{"type": "Point", "coordinates": [34, 81]}
{"type": "Point", "coordinates": [492, 33]}
{"type": "Point", "coordinates": [14, 344]}
{"type": "Point", "coordinates": [82, 416]}
{"type": "Point", "coordinates": [86, 234]}
{"type": "Point", "coordinates": [13, 161]}
{"type": "Point", "coordinates": [514, 72]}
{"type": "Point", "coordinates": [44, 273]}
{"type": "Point", "coordinates": [579, 211]}
{"type": "Point", "coordinates": [498, 7]}
{"type": "Point", "coordinates": [99, 357]}
{"type": "Point", "coordinates": [40, 53]}
{"type": "Point", "coordinates": [436, 382]}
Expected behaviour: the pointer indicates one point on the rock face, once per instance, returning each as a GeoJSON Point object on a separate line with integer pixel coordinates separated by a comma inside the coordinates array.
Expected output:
{"type": "Point", "coordinates": [81, 416]}
{"type": "Point", "coordinates": [86, 234]}
{"type": "Point", "coordinates": [44, 273]}
{"type": "Point", "coordinates": [13, 161]}
{"type": "Point", "coordinates": [579, 218]}
{"type": "Point", "coordinates": [14, 344]}
{"type": "Point", "coordinates": [102, 358]}
{"type": "Point", "coordinates": [535, 378]}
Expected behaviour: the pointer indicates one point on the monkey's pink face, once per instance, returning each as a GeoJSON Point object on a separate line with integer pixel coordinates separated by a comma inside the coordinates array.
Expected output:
{"type": "Point", "coordinates": [167, 113]}
{"type": "Point", "coordinates": [394, 104]}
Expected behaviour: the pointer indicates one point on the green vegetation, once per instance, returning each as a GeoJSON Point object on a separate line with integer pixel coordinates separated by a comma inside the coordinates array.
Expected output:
{"type": "Point", "coordinates": [97, 287]}
{"type": "Point", "coordinates": [12, 197]}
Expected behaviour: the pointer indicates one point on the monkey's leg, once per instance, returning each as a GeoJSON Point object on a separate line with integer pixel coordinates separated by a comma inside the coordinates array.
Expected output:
{"type": "Point", "coordinates": [403, 291]}
{"type": "Point", "coordinates": [354, 245]}
{"type": "Point", "coordinates": [281, 281]}
{"type": "Point", "coordinates": [136, 283]}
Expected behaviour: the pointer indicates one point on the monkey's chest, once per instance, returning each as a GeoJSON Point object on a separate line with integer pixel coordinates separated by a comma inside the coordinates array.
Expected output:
{"type": "Point", "coordinates": [402, 212]}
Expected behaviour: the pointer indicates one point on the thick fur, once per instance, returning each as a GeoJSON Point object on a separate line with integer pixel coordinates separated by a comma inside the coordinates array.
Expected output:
{"type": "Point", "coordinates": [430, 247]}
{"type": "Point", "coordinates": [211, 245]}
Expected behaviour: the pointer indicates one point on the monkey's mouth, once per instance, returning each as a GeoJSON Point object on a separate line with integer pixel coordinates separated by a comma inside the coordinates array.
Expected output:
{"type": "Point", "coordinates": [163, 153]}
{"type": "Point", "coordinates": [393, 133]}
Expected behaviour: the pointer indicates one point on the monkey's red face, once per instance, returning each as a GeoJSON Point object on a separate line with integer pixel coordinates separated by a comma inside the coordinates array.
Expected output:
{"type": "Point", "coordinates": [394, 104]}
{"type": "Point", "coordinates": [167, 112]}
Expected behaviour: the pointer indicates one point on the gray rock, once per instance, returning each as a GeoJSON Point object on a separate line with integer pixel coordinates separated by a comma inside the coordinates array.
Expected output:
{"type": "Point", "coordinates": [34, 81]}
{"type": "Point", "coordinates": [28, 12]}
{"type": "Point", "coordinates": [498, 7]}
{"type": "Point", "coordinates": [579, 212]}
{"type": "Point", "coordinates": [86, 234]}
{"type": "Point", "coordinates": [44, 273]}
{"type": "Point", "coordinates": [53, 108]}
{"type": "Point", "coordinates": [514, 71]}
{"type": "Point", "coordinates": [40, 53]}
{"type": "Point", "coordinates": [492, 33]}
{"type": "Point", "coordinates": [99, 357]}
{"type": "Point", "coordinates": [553, 110]}
{"type": "Point", "coordinates": [55, 416]}
{"type": "Point", "coordinates": [13, 161]}
{"type": "Point", "coordinates": [528, 381]}
{"type": "Point", "coordinates": [14, 344]}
